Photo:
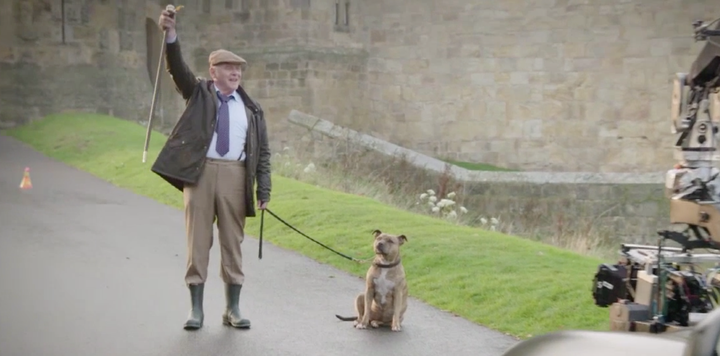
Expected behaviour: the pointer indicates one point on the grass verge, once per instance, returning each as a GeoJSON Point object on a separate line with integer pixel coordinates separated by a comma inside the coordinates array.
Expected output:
{"type": "Point", "coordinates": [478, 166]}
{"type": "Point", "coordinates": [514, 285]}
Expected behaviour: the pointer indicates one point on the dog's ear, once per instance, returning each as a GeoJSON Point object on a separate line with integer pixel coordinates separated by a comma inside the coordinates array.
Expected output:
{"type": "Point", "coordinates": [402, 239]}
{"type": "Point", "coordinates": [376, 233]}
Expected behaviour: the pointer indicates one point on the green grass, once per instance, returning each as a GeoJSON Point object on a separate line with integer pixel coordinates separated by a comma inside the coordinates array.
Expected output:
{"type": "Point", "coordinates": [511, 284]}
{"type": "Point", "coordinates": [478, 166]}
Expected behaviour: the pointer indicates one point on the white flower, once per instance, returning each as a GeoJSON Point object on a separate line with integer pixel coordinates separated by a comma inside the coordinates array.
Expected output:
{"type": "Point", "coordinates": [483, 221]}
{"type": "Point", "coordinates": [310, 168]}
{"type": "Point", "coordinates": [494, 221]}
{"type": "Point", "coordinates": [441, 204]}
{"type": "Point", "coordinates": [431, 203]}
{"type": "Point", "coordinates": [452, 214]}
{"type": "Point", "coordinates": [447, 202]}
{"type": "Point", "coordinates": [286, 148]}
{"type": "Point", "coordinates": [433, 198]}
{"type": "Point", "coordinates": [463, 210]}
{"type": "Point", "coordinates": [435, 209]}
{"type": "Point", "coordinates": [431, 192]}
{"type": "Point", "coordinates": [423, 196]}
{"type": "Point", "coordinates": [451, 195]}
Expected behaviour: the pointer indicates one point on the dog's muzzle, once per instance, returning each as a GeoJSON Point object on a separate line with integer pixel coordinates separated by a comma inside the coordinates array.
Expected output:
{"type": "Point", "coordinates": [380, 249]}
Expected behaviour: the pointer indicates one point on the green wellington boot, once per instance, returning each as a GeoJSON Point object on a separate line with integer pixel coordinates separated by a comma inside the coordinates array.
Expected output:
{"type": "Point", "coordinates": [196, 316]}
{"type": "Point", "coordinates": [232, 311]}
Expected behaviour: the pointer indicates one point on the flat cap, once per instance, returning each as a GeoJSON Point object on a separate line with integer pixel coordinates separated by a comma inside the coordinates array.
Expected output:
{"type": "Point", "coordinates": [225, 56]}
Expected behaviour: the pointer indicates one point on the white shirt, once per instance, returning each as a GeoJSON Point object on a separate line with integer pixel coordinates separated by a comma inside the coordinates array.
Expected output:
{"type": "Point", "coordinates": [238, 129]}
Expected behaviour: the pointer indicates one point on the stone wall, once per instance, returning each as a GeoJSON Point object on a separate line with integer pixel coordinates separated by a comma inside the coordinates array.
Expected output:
{"type": "Point", "coordinates": [108, 56]}
{"type": "Point", "coordinates": [628, 207]}
{"type": "Point", "coordinates": [553, 85]}
{"type": "Point", "coordinates": [556, 85]}
{"type": "Point", "coordinates": [91, 57]}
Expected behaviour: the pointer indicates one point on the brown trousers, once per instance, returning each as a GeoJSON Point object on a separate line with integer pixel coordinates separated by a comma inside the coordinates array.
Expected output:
{"type": "Point", "coordinates": [220, 191]}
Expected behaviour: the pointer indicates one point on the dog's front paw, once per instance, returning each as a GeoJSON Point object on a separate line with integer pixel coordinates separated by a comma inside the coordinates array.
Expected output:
{"type": "Point", "coordinates": [375, 324]}
{"type": "Point", "coordinates": [396, 327]}
{"type": "Point", "coordinates": [362, 324]}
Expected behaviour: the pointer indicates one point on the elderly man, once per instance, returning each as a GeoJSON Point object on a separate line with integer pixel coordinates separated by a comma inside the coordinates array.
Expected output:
{"type": "Point", "coordinates": [214, 155]}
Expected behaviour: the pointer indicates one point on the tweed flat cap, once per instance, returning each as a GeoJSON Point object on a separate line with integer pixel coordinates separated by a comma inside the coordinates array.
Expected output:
{"type": "Point", "coordinates": [225, 56]}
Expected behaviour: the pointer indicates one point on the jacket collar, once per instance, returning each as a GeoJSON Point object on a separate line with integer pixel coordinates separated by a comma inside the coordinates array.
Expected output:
{"type": "Point", "coordinates": [249, 103]}
{"type": "Point", "coordinates": [234, 94]}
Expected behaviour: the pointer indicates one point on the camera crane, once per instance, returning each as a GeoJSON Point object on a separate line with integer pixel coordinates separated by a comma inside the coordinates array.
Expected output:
{"type": "Point", "coordinates": [655, 288]}
{"type": "Point", "coordinates": [694, 187]}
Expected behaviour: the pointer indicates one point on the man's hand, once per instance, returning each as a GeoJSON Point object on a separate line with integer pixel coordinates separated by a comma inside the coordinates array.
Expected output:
{"type": "Point", "coordinates": [167, 22]}
{"type": "Point", "coordinates": [262, 205]}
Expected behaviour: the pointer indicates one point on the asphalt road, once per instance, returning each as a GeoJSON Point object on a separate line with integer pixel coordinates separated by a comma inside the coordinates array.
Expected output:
{"type": "Point", "coordinates": [87, 268]}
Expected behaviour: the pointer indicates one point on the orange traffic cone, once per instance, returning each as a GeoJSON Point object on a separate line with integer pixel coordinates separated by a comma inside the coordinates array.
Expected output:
{"type": "Point", "coordinates": [26, 183]}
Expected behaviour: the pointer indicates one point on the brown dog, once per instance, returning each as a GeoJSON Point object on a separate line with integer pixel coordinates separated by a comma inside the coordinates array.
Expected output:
{"type": "Point", "coordinates": [385, 299]}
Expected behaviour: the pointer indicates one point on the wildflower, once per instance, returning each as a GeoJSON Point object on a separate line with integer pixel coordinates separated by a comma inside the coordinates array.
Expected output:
{"type": "Point", "coordinates": [463, 210]}
{"type": "Point", "coordinates": [435, 209]}
{"type": "Point", "coordinates": [433, 198]}
{"type": "Point", "coordinates": [310, 168]}
{"type": "Point", "coordinates": [483, 221]}
{"type": "Point", "coordinates": [423, 196]}
{"type": "Point", "coordinates": [447, 202]}
{"type": "Point", "coordinates": [494, 221]}
{"type": "Point", "coordinates": [451, 195]}
{"type": "Point", "coordinates": [431, 192]}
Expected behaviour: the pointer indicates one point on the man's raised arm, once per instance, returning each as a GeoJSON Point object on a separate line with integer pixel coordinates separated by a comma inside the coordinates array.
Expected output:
{"type": "Point", "coordinates": [183, 77]}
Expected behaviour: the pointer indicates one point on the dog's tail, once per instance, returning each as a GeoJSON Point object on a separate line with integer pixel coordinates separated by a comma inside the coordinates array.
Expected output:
{"type": "Point", "coordinates": [346, 318]}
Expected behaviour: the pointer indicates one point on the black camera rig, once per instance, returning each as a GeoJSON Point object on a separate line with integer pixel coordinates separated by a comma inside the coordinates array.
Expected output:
{"type": "Point", "coordinates": [653, 288]}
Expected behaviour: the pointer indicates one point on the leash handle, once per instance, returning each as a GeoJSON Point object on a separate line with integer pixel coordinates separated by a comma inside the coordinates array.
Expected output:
{"type": "Point", "coordinates": [262, 222]}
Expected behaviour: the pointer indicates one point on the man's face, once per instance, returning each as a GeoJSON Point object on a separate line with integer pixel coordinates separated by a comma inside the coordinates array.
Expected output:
{"type": "Point", "coordinates": [226, 75]}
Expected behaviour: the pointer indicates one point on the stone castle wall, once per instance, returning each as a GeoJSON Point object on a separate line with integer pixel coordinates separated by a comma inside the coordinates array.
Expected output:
{"type": "Point", "coordinates": [102, 62]}
{"type": "Point", "coordinates": [581, 209]}
{"type": "Point", "coordinates": [555, 85]}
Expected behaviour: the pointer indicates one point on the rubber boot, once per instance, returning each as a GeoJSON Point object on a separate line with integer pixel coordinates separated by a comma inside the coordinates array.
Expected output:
{"type": "Point", "coordinates": [196, 315]}
{"type": "Point", "coordinates": [232, 315]}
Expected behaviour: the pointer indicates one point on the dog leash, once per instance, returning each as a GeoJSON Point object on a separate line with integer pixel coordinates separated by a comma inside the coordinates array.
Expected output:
{"type": "Point", "coordinates": [262, 223]}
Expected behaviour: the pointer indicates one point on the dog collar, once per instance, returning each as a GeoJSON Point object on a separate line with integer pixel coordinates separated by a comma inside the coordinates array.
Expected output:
{"type": "Point", "coordinates": [387, 265]}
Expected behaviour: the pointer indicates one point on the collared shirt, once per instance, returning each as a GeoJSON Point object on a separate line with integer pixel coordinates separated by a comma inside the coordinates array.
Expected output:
{"type": "Point", "coordinates": [238, 129]}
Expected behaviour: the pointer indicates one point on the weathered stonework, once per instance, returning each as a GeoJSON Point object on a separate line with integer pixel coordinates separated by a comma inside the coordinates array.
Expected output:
{"type": "Point", "coordinates": [570, 85]}
{"type": "Point", "coordinates": [553, 85]}
{"type": "Point", "coordinates": [621, 207]}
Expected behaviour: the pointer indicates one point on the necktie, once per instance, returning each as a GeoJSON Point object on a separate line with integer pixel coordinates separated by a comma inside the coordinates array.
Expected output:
{"type": "Point", "coordinates": [223, 126]}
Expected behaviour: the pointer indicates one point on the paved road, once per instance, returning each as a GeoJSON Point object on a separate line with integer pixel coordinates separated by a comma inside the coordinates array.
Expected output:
{"type": "Point", "coordinates": [87, 268]}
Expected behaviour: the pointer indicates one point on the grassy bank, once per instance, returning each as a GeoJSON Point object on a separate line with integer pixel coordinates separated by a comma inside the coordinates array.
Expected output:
{"type": "Point", "coordinates": [508, 283]}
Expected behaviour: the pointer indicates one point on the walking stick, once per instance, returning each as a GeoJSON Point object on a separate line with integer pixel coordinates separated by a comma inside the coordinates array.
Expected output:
{"type": "Point", "coordinates": [172, 10]}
